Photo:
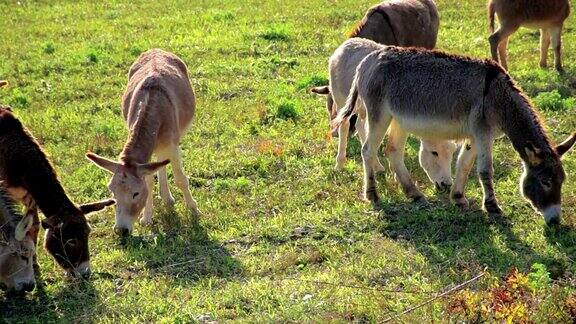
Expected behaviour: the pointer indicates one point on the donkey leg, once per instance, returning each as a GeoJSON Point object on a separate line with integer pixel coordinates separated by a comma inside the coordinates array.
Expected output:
{"type": "Point", "coordinates": [361, 129]}
{"type": "Point", "coordinates": [495, 39]}
{"type": "Point", "coordinates": [395, 152]}
{"type": "Point", "coordinates": [503, 52]}
{"type": "Point", "coordinates": [486, 175]}
{"type": "Point", "coordinates": [556, 33]}
{"type": "Point", "coordinates": [146, 218]}
{"type": "Point", "coordinates": [544, 45]}
{"type": "Point", "coordinates": [182, 181]}
{"type": "Point", "coordinates": [463, 168]}
{"type": "Point", "coordinates": [163, 182]}
{"type": "Point", "coordinates": [342, 144]}
{"type": "Point", "coordinates": [377, 128]}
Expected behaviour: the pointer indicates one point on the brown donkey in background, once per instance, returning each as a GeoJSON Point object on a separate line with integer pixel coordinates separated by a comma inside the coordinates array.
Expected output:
{"type": "Point", "coordinates": [548, 15]}
{"type": "Point", "coordinates": [30, 178]}
{"type": "Point", "coordinates": [158, 105]}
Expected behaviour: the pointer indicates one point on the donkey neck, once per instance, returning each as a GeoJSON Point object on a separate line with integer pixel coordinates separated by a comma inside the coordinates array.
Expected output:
{"type": "Point", "coordinates": [46, 190]}
{"type": "Point", "coordinates": [143, 136]}
{"type": "Point", "coordinates": [522, 125]}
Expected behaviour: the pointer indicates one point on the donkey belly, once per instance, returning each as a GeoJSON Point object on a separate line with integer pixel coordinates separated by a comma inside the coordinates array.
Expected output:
{"type": "Point", "coordinates": [432, 128]}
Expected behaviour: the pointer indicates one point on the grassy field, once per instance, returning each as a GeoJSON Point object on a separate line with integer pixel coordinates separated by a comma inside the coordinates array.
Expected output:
{"type": "Point", "coordinates": [284, 237]}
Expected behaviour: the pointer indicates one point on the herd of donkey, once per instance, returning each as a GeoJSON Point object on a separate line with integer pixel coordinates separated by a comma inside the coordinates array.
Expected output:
{"type": "Point", "coordinates": [374, 90]}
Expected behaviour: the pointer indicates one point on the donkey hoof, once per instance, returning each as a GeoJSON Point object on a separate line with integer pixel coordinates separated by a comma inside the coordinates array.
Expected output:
{"type": "Point", "coordinates": [372, 197]}
{"type": "Point", "coordinates": [462, 204]}
{"type": "Point", "coordinates": [378, 167]}
{"type": "Point", "coordinates": [493, 210]}
{"type": "Point", "coordinates": [146, 221]}
{"type": "Point", "coordinates": [196, 212]}
{"type": "Point", "coordinates": [170, 202]}
{"type": "Point", "coordinates": [422, 201]}
{"type": "Point", "coordinates": [543, 65]}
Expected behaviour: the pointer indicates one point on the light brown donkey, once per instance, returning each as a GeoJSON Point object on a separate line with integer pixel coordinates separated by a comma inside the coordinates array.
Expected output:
{"type": "Point", "coordinates": [159, 106]}
{"type": "Point", "coordinates": [547, 15]}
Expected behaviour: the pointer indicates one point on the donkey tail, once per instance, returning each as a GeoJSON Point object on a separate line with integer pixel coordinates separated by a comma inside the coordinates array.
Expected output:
{"type": "Point", "coordinates": [324, 90]}
{"type": "Point", "coordinates": [348, 109]}
{"type": "Point", "coordinates": [491, 14]}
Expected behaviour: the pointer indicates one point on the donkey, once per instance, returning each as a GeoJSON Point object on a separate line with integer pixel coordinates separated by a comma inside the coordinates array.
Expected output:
{"type": "Point", "coordinates": [437, 95]}
{"type": "Point", "coordinates": [159, 106]}
{"type": "Point", "coordinates": [397, 22]}
{"type": "Point", "coordinates": [548, 15]}
{"type": "Point", "coordinates": [435, 155]}
{"type": "Point", "coordinates": [404, 23]}
{"type": "Point", "coordinates": [30, 178]}
{"type": "Point", "coordinates": [17, 246]}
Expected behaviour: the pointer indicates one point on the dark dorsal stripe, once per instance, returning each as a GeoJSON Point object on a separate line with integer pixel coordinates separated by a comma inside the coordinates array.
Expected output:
{"type": "Point", "coordinates": [492, 72]}
{"type": "Point", "coordinates": [384, 14]}
{"type": "Point", "coordinates": [360, 26]}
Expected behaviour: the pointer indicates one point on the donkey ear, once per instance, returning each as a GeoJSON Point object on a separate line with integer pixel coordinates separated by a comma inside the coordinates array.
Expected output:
{"type": "Point", "coordinates": [97, 206]}
{"type": "Point", "coordinates": [103, 163]}
{"type": "Point", "coordinates": [150, 168]}
{"type": "Point", "coordinates": [532, 154]}
{"type": "Point", "coordinates": [23, 227]}
{"type": "Point", "coordinates": [566, 145]}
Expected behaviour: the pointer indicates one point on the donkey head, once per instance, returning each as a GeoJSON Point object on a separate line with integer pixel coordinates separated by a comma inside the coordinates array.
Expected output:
{"type": "Point", "coordinates": [17, 256]}
{"type": "Point", "coordinates": [129, 188]}
{"type": "Point", "coordinates": [66, 238]}
{"type": "Point", "coordinates": [436, 160]}
{"type": "Point", "coordinates": [541, 182]}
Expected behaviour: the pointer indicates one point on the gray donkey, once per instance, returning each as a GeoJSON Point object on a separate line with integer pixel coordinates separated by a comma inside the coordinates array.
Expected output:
{"type": "Point", "coordinates": [435, 155]}
{"type": "Point", "coordinates": [437, 95]}
{"type": "Point", "coordinates": [396, 22]}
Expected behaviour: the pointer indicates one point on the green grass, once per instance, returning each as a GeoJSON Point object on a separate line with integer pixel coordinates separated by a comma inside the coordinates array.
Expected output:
{"type": "Point", "coordinates": [278, 219]}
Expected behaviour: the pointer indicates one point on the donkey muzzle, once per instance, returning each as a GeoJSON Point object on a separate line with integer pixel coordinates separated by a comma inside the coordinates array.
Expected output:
{"type": "Point", "coordinates": [552, 215]}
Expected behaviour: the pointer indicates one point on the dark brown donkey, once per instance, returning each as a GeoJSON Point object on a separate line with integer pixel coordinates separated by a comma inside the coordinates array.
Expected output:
{"type": "Point", "coordinates": [30, 178]}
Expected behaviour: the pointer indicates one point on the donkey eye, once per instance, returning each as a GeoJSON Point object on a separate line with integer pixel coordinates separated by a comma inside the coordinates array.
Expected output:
{"type": "Point", "coordinates": [434, 153]}
{"type": "Point", "coordinates": [546, 183]}
{"type": "Point", "coordinates": [135, 195]}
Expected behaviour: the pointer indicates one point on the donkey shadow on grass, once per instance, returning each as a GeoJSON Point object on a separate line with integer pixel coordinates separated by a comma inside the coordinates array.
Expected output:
{"type": "Point", "coordinates": [75, 300]}
{"type": "Point", "coordinates": [471, 240]}
{"type": "Point", "coordinates": [181, 248]}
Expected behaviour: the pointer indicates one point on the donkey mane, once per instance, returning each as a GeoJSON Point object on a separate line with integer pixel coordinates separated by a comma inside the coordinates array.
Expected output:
{"type": "Point", "coordinates": [142, 131]}
{"type": "Point", "coordinates": [360, 26]}
{"type": "Point", "coordinates": [37, 174]}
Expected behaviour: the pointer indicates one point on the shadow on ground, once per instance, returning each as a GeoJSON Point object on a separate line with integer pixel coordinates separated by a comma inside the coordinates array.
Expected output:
{"type": "Point", "coordinates": [180, 247]}
{"type": "Point", "coordinates": [79, 300]}
{"type": "Point", "coordinates": [472, 240]}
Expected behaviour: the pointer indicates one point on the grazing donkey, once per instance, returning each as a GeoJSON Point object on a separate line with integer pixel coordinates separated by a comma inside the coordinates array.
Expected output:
{"type": "Point", "coordinates": [158, 105]}
{"type": "Point", "coordinates": [437, 95]}
{"type": "Point", "coordinates": [435, 155]}
{"type": "Point", "coordinates": [397, 22]}
{"type": "Point", "coordinates": [548, 15]}
{"type": "Point", "coordinates": [404, 23]}
{"type": "Point", "coordinates": [17, 246]}
{"type": "Point", "coordinates": [30, 178]}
